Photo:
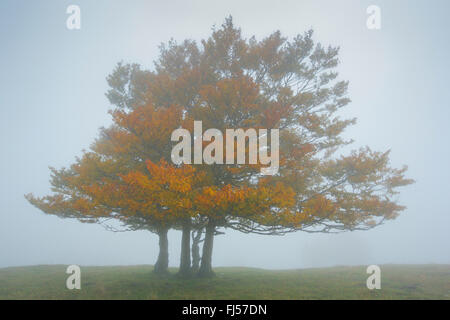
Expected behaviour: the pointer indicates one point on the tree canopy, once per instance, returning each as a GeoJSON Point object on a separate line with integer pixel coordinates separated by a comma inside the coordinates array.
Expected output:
{"type": "Point", "coordinates": [228, 81]}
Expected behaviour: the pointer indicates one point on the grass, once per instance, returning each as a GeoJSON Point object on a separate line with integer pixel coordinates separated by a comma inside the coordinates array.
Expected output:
{"type": "Point", "coordinates": [138, 282]}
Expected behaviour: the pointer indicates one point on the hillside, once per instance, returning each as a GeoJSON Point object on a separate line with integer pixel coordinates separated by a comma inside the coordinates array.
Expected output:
{"type": "Point", "coordinates": [137, 282]}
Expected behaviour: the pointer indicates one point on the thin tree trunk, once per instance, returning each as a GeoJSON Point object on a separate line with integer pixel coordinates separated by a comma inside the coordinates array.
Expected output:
{"type": "Point", "coordinates": [185, 259]}
{"type": "Point", "coordinates": [196, 250]}
{"type": "Point", "coordinates": [196, 239]}
{"type": "Point", "coordinates": [162, 264]}
{"type": "Point", "coordinates": [206, 265]}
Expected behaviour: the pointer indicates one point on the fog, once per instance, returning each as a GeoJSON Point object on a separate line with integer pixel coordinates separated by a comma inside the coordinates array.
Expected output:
{"type": "Point", "coordinates": [52, 86]}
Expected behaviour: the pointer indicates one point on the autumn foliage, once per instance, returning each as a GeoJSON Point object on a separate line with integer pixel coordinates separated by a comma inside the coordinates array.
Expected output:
{"type": "Point", "coordinates": [228, 82]}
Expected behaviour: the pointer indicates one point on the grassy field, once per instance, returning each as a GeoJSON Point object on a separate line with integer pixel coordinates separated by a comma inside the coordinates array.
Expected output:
{"type": "Point", "coordinates": [138, 282]}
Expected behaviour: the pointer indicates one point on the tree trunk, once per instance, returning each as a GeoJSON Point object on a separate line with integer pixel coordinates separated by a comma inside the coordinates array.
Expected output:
{"type": "Point", "coordinates": [206, 265]}
{"type": "Point", "coordinates": [162, 264]}
{"type": "Point", "coordinates": [196, 250]}
{"type": "Point", "coordinates": [185, 259]}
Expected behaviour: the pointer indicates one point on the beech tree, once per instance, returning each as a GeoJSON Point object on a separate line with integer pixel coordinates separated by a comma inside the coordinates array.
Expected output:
{"type": "Point", "coordinates": [228, 81]}
{"type": "Point", "coordinates": [118, 180]}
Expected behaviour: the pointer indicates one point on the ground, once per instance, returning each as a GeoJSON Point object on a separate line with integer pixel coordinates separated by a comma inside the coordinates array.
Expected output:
{"type": "Point", "coordinates": [138, 282]}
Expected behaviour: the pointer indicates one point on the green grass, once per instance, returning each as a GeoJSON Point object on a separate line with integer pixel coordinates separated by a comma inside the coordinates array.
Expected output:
{"type": "Point", "coordinates": [138, 282]}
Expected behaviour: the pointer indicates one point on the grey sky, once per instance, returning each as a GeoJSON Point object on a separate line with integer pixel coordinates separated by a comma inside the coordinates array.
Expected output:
{"type": "Point", "coordinates": [52, 103]}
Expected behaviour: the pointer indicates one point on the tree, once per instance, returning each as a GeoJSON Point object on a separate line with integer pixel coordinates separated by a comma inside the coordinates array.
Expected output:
{"type": "Point", "coordinates": [232, 82]}
{"type": "Point", "coordinates": [118, 180]}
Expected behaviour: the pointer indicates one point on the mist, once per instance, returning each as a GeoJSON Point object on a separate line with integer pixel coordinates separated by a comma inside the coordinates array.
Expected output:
{"type": "Point", "coordinates": [53, 102]}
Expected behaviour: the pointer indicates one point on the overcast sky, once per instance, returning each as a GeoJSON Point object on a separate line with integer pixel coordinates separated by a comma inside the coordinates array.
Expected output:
{"type": "Point", "coordinates": [52, 102]}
